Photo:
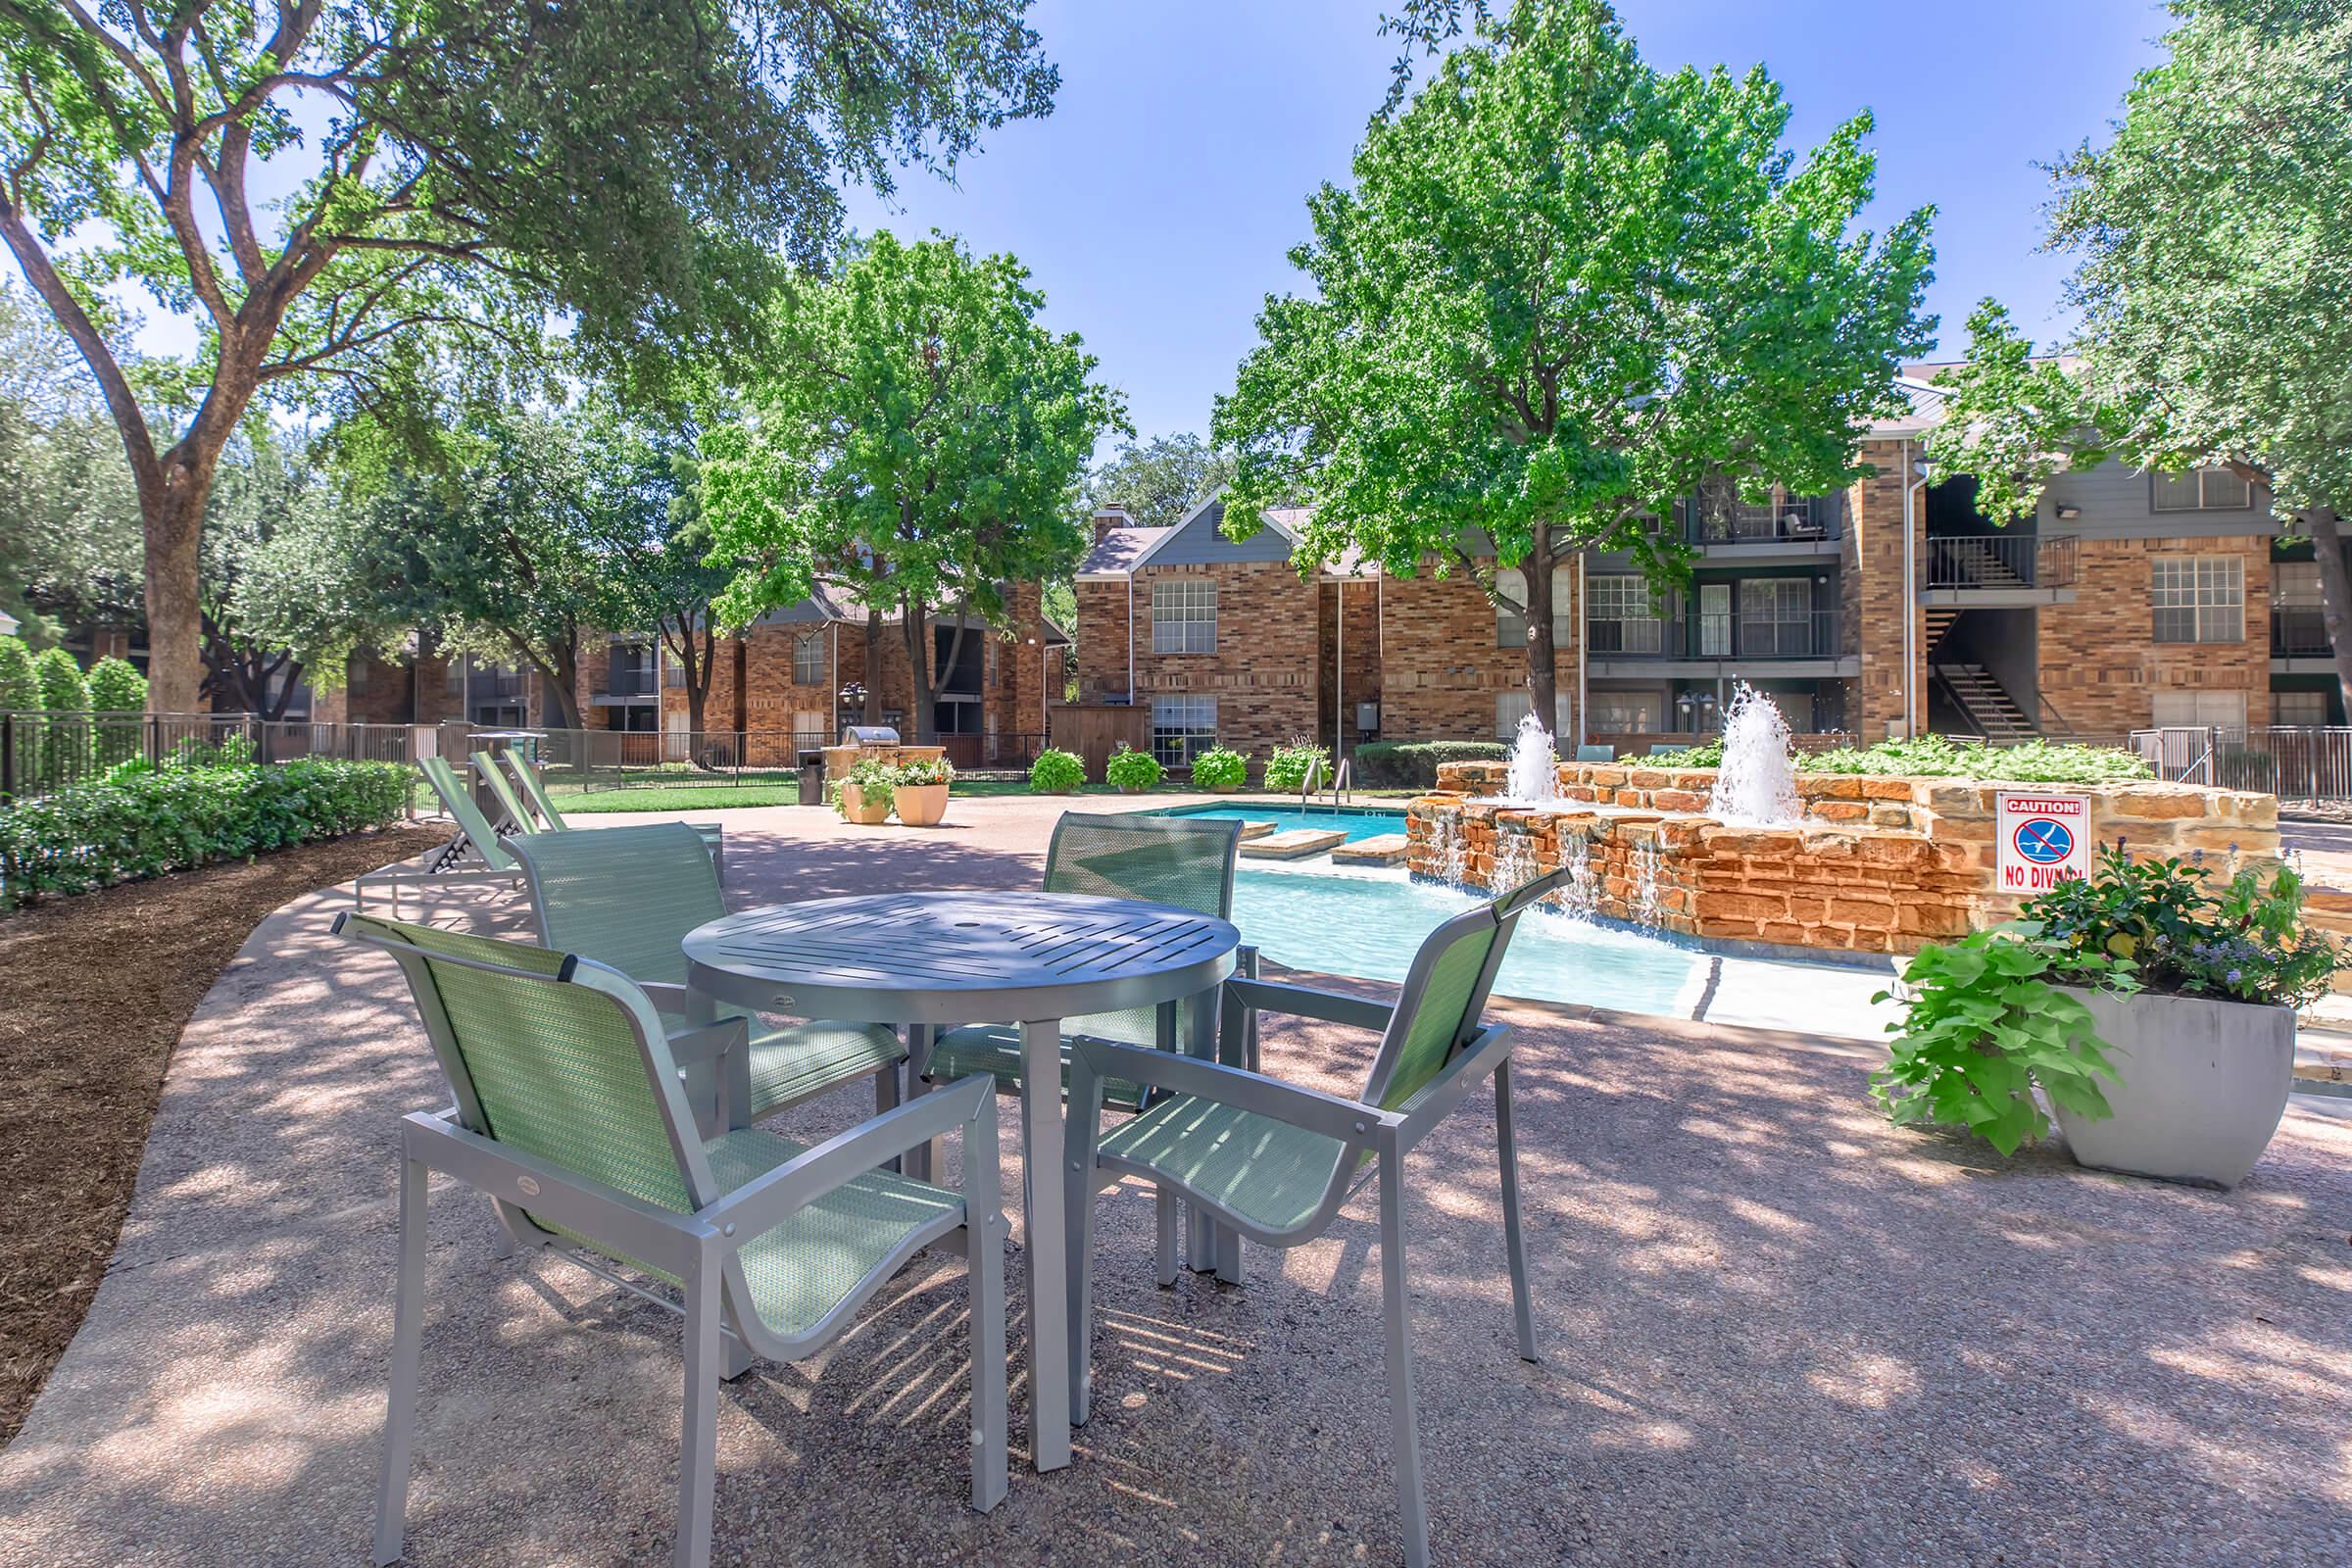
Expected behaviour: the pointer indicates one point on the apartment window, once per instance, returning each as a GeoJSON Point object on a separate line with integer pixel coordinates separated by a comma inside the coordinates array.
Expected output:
{"type": "Point", "coordinates": [2298, 623]}
{"type": "Point", "coordinates": [1624, 616]}
{"type": "Point", "coordinates": [2200, 598]}
{"type": "Point", "coordinates": [808, 659]}
{"type": "Point", "coordinates": [2300, 709]}
{"type": "Point", "coordinates": [1624, 713]}
{"type": "Point", "coordinates": [1182, 728]}
{"type": "Point", "coordinates": [1510, 626]}
{"type": "Point", "coordinates": [1512, 707]}
{"type": "Point", "coordinates": [1184, 615]}
{"type": "Point", "coordinates": [1776, 617]}
{"type": "Point", "coordinates": [2201, 709]}
{"type": "Point", "coordinates": [2200, 490]}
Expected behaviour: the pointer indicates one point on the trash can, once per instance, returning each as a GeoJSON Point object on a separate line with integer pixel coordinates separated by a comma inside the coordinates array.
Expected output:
{"type": "Point", "coordinates": [812, 778]}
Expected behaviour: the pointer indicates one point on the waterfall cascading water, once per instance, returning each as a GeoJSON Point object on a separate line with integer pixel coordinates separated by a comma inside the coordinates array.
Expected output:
{"type": "Point", "coordinates": [1649, 905]}
{"type": "Point", "coordinates": [1532, 777]}
{"type": "Point", "coordinates": [1452, 854]}
{"type": "Point", "coordinates": [1755, 784]}
{"type": "Point", "coordinates": [1580, 900]}
{"type": "Point", "coordinates": [1514, 861]}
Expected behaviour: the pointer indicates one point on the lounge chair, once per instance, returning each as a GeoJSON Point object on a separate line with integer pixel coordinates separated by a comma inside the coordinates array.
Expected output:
{"type": "Point", "coordinates": [628, 897]}
{"type": "Point", "coordinates": [1596, 754]}
{"type": "Point", "coordinates": [518, 818]}
{"type": "Point", "coordinates": [527, 775]}
{"type": "Point", "coordinates": [475, 853]}
{"type": "Point", "coordinates": [548, 818]}
{"type": "Point", "coordinates": [1275, 1161]}
{"type": "Point", "coordinates": [570, 1118]}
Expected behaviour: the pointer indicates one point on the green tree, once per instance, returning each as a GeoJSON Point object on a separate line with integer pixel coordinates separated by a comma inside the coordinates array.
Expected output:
{"type": "Point", "coordinates": [918, 442]}
{"type": "Point", "coordinates": [632, 167]}
{"type": "Point", "coordinates": [1563, 291]}
{"type": "Point", "coordinates": [68, 514]}
{"type": "Point", "coordinates": [117, 686]}
{"type": "Point", "coordinates": [2214, 237]}
{"type": "Point", "coordinates": [65, 697]}
{"type": "Point", "coordinates": [60, 683]}
{"type": "Point", "coordinates": [1159, 480]}
{"type": "Point", "coordinates": [20, 693]}
{"type": "Point", "coordinates": [659, 574]}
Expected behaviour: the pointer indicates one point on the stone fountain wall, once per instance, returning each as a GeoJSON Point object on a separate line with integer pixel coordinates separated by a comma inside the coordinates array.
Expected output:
{"type": "Point", "coordinates": [1877, 865]}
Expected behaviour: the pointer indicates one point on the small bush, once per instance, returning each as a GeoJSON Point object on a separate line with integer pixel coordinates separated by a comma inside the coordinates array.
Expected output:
{"type": "Point", "coordinates": [18, 690]}
{"type": "Point", "coordinates": [1287, 769]}
{"type": "Point", "coordinates": [1220, 769]}
{"type": "Point", "coordinates": [1940, 756]}
{"type": "Point", "coordinates": [931, 770]}
{"type": "Point", "coordinates": [1055, 774]}
{"type": "Point", "coordinates": [1415, 765]}
{"type": "Point", "coordinates": [117, 686]}
{"type": "Point", "coordinates": [876, 782]}
{"type": "Point", "coordinates": [144, 823]}
{"type": "Point", "coordinates": [1131, 770]}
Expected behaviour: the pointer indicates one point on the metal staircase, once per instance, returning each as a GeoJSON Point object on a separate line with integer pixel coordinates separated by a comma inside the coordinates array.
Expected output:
{"type": "Point", "coordinates": [1986, 703]}
{"type": "Point", "coordinates": [1938, 618]}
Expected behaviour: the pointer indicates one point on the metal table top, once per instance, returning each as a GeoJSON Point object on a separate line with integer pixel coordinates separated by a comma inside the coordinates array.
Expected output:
{"type": "Point", "coordinates": [959, 957]}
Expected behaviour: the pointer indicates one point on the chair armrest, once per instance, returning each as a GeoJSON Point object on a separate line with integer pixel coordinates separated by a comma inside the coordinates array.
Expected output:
{"type": "Point", "coordinates": [774, 1197]}
{"type": "Point", "coordinates": [1455, 1082]}
{"type": "Point", "coordinates": [710, 1042]}
{"type": "Point", "coordinates": [668, 996]}
{"type": "Point", "coordinates": [1305, 1002]}
{"type": "Point", "coordinates": [1347, 1121]}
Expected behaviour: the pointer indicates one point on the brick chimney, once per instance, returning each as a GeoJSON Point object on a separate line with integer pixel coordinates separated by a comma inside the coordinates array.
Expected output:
{"type": "Point", "coordinates": [1109, 518]}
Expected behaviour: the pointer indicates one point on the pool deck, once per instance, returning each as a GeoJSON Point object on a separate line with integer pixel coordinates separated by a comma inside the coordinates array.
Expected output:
{"type": "Point", "coordinates": [1776, 1329]}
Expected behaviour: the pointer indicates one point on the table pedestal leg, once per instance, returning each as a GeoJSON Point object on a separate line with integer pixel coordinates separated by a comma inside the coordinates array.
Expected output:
{"type": "Point", "coordinates": [925, 1161]}
{"type": "Point", "coordinates": [1042, 1166]}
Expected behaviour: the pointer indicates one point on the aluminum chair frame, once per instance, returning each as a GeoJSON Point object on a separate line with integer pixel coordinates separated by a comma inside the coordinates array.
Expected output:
{"type": "Point", "coordinates": [548, 819]}
{"type": "Point", "coordinates": [1363, 1129]}
{"type": "Point", "coordinates": [702, 1248]}
{"type": "Point", "coordinates": [474, 854]}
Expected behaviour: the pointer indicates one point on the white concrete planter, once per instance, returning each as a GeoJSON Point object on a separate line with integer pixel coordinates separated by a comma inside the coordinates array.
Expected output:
{"type": "Point", "coordinates": [2203, 1086]}
{"type": "Point", "coordinates": [920, 804]}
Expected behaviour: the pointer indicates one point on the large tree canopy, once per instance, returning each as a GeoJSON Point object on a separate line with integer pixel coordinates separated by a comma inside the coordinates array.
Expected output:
{"type": "Point", "coordinates": [465, 167]}
{"type": "Point", "coordinates": [918, 442]}
{"type": "Point", "coordinates": [1158, 480]}
{"type": "Point", "coordinates": [1563, 290]}
{"type": "Point", "coordinates": [2214, 237]}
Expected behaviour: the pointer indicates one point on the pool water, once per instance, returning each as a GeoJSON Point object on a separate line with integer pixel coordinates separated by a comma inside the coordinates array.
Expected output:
{"type": "Point", "coordinates": [1355, 824]}
{"type": "Point", "coordinates": [1370, 927]}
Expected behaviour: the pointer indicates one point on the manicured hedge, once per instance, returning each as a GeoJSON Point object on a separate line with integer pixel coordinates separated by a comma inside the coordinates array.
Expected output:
{"type": "Point", "coordinates": [143, 823]}
{"type": "Point", "coordinates": [1413, 764]}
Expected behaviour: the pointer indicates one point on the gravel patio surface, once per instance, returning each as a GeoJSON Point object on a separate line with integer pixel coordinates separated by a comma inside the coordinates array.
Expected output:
{"type": "Point", "coordinates": [1776, 1329]}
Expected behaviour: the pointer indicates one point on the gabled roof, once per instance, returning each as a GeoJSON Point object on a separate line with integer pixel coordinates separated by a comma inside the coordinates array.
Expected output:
{"type": "Point", "coordinates": [1122, 552]}
{"type": "Point", "coordinates": [1116, 553]}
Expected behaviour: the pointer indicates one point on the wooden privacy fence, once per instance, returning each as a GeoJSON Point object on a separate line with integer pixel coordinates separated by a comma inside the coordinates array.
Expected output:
{"type": "Point", "coordinates": [1094, 730]}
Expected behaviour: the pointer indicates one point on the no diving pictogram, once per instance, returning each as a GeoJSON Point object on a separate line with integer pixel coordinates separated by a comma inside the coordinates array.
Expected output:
{"type": "Point", "coordinates": [2044, 842]}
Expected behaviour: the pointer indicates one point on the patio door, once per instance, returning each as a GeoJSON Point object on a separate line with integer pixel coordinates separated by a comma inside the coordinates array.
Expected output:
{"type": "Point", "coordinates": [1715, 620]}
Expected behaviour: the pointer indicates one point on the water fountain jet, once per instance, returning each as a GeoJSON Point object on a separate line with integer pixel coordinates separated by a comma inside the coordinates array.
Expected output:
{"type": "Point", "coordinates": [1755, 785]}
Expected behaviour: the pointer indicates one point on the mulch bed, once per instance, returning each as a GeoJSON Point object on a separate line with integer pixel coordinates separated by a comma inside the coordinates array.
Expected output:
{"type": "Point", "coordinates": [94, 992]}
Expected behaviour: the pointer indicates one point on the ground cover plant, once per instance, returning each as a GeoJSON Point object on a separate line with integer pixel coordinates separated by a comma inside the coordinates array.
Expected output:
{"type": "Point", "coordinates": [1940, 756]}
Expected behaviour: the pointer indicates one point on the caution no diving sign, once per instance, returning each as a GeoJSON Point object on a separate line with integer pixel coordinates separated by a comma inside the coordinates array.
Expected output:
{"type": "Point", "coordinates": [2044, 840]}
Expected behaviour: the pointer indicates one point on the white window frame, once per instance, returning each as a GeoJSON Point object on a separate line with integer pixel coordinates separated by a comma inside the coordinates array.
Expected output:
{"type": "Point", "coordinates": [2211, 490]}
{"type": "Point", "coordinates": [1510, 627]}
{"type": "Point", "coordinates": [811, 645]}
{"type": "Point", "coordinates": [1184, 615]}
{"type": "Point", "coordinates": [1514, 705]}
{"type": "Point", "coordinates": [1182, 728]}
{"type": "Point", "coordinates": [2197, 599]}
{"type": "Point", "coordinates": [1628, 600]}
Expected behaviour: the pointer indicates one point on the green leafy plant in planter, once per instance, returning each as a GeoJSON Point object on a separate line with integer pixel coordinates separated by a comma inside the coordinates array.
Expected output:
{"type": "Point", "coordinates": [928, 770]}
{"type": "Point", "coordinates": [864, 794]}
{"type": "Point", "coordinates": [1288, 768]}
{"type": "Point", "coordinates": [919, 792]}
{"type": "Point", "coordinates": [2245, 941]}
{"type": "Point", "coordinates": [1055, 774]}
{"type": "Point", "coordinates": [1132, 770]}
{"type": "Point", "coordinates": [1220, 770]}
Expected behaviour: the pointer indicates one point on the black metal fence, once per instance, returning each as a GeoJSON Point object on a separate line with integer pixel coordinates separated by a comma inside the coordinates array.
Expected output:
{"type": "Point", "coordinates": [591, 760]}
{"type": "Point", "coordinates": [2293, 763]}
{"type": "Point", "coordinates": [42, 752]}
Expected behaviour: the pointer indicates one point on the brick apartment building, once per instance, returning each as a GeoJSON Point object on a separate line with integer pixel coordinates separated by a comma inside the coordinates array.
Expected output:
{"type": "Point", "coordinates": [1890, 608]}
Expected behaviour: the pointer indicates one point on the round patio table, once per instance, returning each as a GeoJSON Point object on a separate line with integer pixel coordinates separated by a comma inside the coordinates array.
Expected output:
{"type": "Point", "coordinates": [929, 960]}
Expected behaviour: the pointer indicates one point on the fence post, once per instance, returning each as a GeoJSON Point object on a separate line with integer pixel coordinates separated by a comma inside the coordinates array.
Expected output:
{"type": "Point", "coordinates": [8, 757]}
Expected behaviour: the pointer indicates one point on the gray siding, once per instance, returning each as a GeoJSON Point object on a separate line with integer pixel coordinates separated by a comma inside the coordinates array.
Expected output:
{"type": "Point", "coordinates": [1199, 543]}
{"type": "Point", "coordinates": [2117, 503]}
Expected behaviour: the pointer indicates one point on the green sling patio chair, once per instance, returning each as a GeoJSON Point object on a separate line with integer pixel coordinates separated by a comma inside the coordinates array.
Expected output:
{"type": "Point", "coordinates": [570, 1118]}
{"type": "Point", "coordinates": [628, 897]}
{"type": "Point", "coordinates": [1275, 1161]}
{"type": "Point", "coordinates": [550, 820]}
{"type": "Point", "coordinates": [1183, 861]}
{"type": "Point", "coordinates": [476, 853]}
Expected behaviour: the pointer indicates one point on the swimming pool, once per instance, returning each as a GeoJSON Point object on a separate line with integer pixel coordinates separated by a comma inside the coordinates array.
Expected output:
{"type": "Point", "coordinates": [1370, 927]}
{"type": "Point", "coordinates": [1357, 824]}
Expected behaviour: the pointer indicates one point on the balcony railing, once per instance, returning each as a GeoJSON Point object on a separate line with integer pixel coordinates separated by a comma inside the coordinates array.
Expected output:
{"type": "Point", "coordinates": [641, 682]}
{"type": "Point", "coordinates": [2299, 631]}
{"type": "Point", "coordinates": [1995, 561]}
{"type": "Point", "coordinates": [1801, 634]}
{"type": "Point", "coordinates": [1799, 519]}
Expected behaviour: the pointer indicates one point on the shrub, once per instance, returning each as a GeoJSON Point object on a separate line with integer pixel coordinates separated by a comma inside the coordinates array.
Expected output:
{"type": "Point", "coordinates": [1220, 769]}
{"type": "Point", "coordinates": [930, 770]}
{"type": "Point", "coordinates": [1415, 765]}
{"type": "Point", "coordinates": [875, 779]}
{"type": "Point", "coordinates": [1055, 774]}
{"type": "Point", "coordinates": [18, 690]}
{"type": "Point", "coordinates": [1288, 768]}
{"type": "Point", "coordinates": [60, 683]}
{"type": "Point", "coordinates": [1131, 770]}
{"type": "Point", "coordinates": [117, 686]}
{"type": "Point", "coordinates": [143, 823]}
{"type": "Point", "coordinates": [1940, 756]}
{"type": "Point", "coordinates": [65, 729]}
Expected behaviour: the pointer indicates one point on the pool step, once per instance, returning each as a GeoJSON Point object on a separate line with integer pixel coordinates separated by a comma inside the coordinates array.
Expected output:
{"type": "Point", "coordinates": [1387, 849]}
{"type": "Point", "coordinates": [1255, 830]}
{"type": "Point", "coordinates": [1293, 844]}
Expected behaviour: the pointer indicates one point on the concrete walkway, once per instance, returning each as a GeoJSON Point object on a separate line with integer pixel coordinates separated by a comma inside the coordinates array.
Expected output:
{"type": "Point", "coordinates": [1776, 1329]}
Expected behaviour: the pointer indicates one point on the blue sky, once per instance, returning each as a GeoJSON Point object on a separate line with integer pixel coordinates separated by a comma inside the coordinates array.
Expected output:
{"type": "Point", "coordinates": [1157, 204]}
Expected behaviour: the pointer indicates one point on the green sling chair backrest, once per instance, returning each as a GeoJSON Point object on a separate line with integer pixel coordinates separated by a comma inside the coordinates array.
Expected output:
{"type": "Point", "coordinates": [626, 896]}
{"type": "Point", "coordinates": [458, 802]}
{"type": "Point", "coordinates": [554, 1057]}
{"type": "Point", "coordinates": [502, 791]}
{"type": "Point", "coordinates": [1444, 994]}
{"type": "Point", "coordinates": [1181, 861]}
{"type": "Point", "coordinates": [533, 785]}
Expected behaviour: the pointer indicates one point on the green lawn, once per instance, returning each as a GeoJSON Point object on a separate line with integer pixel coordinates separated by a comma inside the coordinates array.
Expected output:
{"type": "Point", "coordinates": [677, 798]}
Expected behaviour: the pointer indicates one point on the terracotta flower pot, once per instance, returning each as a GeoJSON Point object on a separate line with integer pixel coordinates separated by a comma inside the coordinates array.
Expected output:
{"type": "Point", "coordinates": [856, 807]}
{"type": "Point", "coordinates": [922, 804]}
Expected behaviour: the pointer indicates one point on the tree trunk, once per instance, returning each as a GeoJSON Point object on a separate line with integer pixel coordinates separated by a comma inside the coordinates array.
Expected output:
{"type": "Point", "coordinates": [172, 520]}
{"type": "Point", "coordinates": [1543, 666]}
{"type": "Point", "coordinates": [2336, 593]}
{"type": "Point", "coordinates": [558, 684]}
{"type": "Point", "coordinates": [873, 666]}
{"type": "Point", "coordinates": [915, 619]}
